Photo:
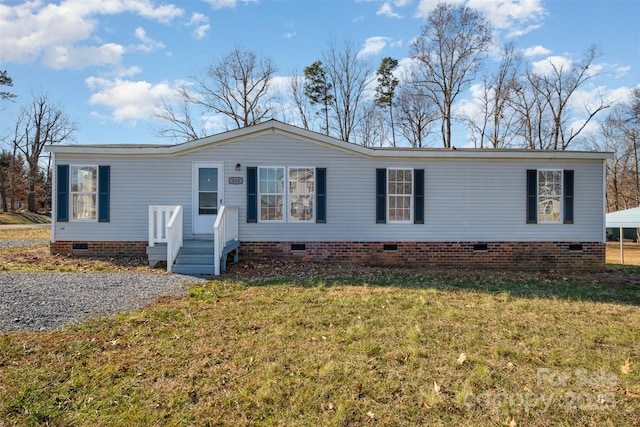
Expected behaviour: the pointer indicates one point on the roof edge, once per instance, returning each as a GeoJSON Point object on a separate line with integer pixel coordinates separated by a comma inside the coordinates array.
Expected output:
{"type": "Point", "coordinates": [314, 137]}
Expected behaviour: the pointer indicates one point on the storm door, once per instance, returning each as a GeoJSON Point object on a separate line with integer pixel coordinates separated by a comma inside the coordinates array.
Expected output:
{"type": "Point", "coordinates": [207, 195]}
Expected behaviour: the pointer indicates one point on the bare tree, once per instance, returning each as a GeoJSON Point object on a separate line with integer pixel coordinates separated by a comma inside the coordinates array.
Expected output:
{"type": "Point", "coordinates": [415, 115]}
{"type": "Point", "coordinates": [497, 123]}
{"type": "Point", "coordinates": [297, 87]}
{"type": "Point", "coordinates": [370, 128]}
{"type": "Point", "coordinates": [449, 52]}
{"type": "Point", "coordinates": [177, 113]}
{"type": "Point", "coordinates": [349, 77]}
{"type": "Point", "coordinates": [620, 136]}
{"type": "Point", "coordinates": [554, 122]}
{"type": "Point", "coordinates": [236, 87]}
{"type": "Point", "coordinates": [42, 123]}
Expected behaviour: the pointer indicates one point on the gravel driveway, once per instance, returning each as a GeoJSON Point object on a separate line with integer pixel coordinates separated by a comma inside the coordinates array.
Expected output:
{"type": "Point", "coordinates": [41, 301]}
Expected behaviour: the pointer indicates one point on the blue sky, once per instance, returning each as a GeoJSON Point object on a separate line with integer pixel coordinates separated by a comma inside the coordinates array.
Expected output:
{"type": "Point", "coordinates": [106, 62]}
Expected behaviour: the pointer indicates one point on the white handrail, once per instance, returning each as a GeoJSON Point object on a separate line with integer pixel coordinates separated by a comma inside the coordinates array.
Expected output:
{"type": "Point", "coordinates": [174, 237]}
{"type": "Point", "coordinates": [225, 230]}
{"type": "Point", "coordinates": [159, 217]}
{"type": "Point", "coordinates": [165, 226]}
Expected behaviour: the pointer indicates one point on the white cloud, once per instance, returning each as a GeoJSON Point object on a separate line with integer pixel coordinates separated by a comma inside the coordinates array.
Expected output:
{"type": "Point", "coordinates": [374, 45]}
{"type": "Point", "coordinates": [280, 85]}
{"type": "Point", "coordinates": [425, 7]}
{"type": "Point", "coordinates": [514, 17]}
{"type": "Point", "coordinates": [387, 10]}
{"type": "Point", "coordinates": [507, 13]}
{"type": "Point", "coordinates": [621, 70]}
{"type": "Point", "coordinates": [128, 100]}
{"type": "Point", "coordinates": [227, 4]}
{"type": "Point", "coordinates": [536, 51]}
{"type": "Point", "coordinates": [31, 30]}
{"type": "Point", "coordinates": [545, 67]}
{"type": "Point", "coordinates": [290, 35]}
{"type": "Point", "coordinates": [222, 4]}
{"type": "Point", "coordinates": [148, 44]}
{"type": "Point", "coordinates": [59, 57]}
{"type": "Point", "coordinates": [201, 25]}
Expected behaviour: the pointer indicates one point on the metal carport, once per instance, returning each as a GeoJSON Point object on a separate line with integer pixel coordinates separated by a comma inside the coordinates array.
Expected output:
{"type": "Point", "coordinates": [628, 218]}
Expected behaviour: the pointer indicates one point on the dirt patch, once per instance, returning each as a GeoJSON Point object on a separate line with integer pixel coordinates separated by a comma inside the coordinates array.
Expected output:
{"type": "Point", "coordinates": [257, 270]}
{"type": "Point", "coordinates": [39, 258]}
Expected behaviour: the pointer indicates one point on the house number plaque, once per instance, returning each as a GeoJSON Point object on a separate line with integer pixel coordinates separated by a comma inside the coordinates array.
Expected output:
{"type": "Point", "coordinates": [235, 180]}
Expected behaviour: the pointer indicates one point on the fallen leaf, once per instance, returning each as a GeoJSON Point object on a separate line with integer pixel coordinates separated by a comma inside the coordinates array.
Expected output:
{"type": "Point", "coordinates": [371, 414]}
{"type": "Point", "coordinates": [626, 368]}
{"type": "Point", "coordinates": [436, 387]}
{"type": "Point", "coordinates": [631, 394]}
{"type": "Point", "coordinates": [461, 359]}
{"type": "Point", "coordinates": [510, 422]}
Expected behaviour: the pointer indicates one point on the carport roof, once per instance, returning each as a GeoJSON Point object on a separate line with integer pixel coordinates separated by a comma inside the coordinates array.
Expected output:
{"type": "Point", "coordinates": [628, 218]}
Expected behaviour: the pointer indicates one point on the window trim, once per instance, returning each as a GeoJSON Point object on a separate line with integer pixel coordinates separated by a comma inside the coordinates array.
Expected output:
{"type": "Point", "coordinates": [389, 195]}
{"type": "Point", "coordinates": [96, 192]}
{"type": "Point", "coordinates": [286, 214]}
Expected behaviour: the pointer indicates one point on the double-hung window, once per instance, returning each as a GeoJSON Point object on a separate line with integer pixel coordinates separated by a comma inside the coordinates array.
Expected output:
{"type": "Point", "coordinates": [399, 194]}
{"type": "Point", "coordinates": [286, 194]}
{"type": "Point", "coordinates": [301, 193]}
{"type": "Point", "coordinates": [84, 195]}
{"type": "Point", "coordinates": [272, 192]}
{"type": "Point", "coordinates": [550, 196]}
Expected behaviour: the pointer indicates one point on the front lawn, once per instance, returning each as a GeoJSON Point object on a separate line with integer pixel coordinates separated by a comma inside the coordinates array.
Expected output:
{"type": "Point", "coordinates": [384, 350]}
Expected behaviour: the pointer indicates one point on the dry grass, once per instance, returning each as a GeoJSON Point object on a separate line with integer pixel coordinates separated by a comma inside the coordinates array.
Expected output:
{"type": "Point", "coordinates": [25, 233]}
{"type": "Point", "coordinates": [631, 253]}
{"type": "Point", "coordinates": [400, 351]}
{"type": "Point", "coordinates": [338, 346]}
{"type": "Point", "coordinates": [27, 219]}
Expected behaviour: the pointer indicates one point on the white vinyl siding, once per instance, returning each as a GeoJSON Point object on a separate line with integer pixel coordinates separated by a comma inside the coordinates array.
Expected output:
{"type": "Point", "coordinates": [466, 199]}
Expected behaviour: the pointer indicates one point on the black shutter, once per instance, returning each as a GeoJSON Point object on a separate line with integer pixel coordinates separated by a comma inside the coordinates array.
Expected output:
{"type": "Point", "coordinates": [62, 203]}
{"type": "Point", "coordinates": [381, 196]}
{"type": "Point", "coordinates": [252, 194]}
{"type": "Point", "coordinates": [532, 196]}
{"type": "Point", "coordinates": [321, 195]}
{"type": "Point", "coordinates": [568, 197]}
{"type": "Point", "coordinates": [418, 196]}
{"type": "Point", "coordinates": [104, 187]}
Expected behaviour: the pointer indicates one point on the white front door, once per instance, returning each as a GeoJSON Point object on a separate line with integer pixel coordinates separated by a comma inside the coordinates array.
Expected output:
{"type": "Point", "coordinates": [208, 185]}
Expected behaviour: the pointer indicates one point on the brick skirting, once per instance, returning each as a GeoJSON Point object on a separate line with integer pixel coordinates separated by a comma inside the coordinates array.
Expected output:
{"type": "Point", "coordinates": [100, 249]}
{"type": "Point", "coordinates": [495, 255]}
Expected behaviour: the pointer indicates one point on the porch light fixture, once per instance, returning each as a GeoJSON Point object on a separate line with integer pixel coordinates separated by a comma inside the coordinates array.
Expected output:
{"type": "Point", "coordinates": [238, 167]}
